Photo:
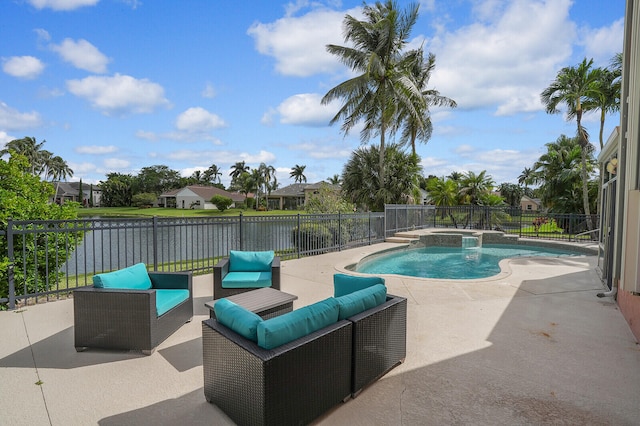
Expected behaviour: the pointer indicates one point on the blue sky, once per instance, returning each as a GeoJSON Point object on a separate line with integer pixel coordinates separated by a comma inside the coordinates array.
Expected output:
{"type": "Point", "coordinates": [117, 85]}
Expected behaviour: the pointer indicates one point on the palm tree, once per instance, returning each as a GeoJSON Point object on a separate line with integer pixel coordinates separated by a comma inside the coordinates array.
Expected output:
{"type": "Point", "coordinates": [297, 173]}
{"type": "Point", "coordinates": [526, 178]}
{"type": "Point", "coordinates": [334, 180]}
{"type": "Point", "coordinates": [443, 192]}
{"type": "Point", "coordinates": [383, 86]}
{"type": "Point", "coordinates": [238, 169]}
{"type": "Point", "coordinates": [457, 176]}
{"type": "Point", "coordinates": [473, 186]}
{"type": "Point", "coordinates": [212, 174]}
{"type": "Point", "coordinates": [605, 98]}
{"type": "Point", "coordinates": [572, 86]}
{"type": "Point", "coordinates": [560, 171]}
{"type": "Point", "coordinates": [420, 127]}
{"type": "Point", "coordinates": [28, 147]}
{"type": "Point", "coordinates": [362, 186]}
{"type": "Point", "coordinates": [58, 170]}
{"type": "Point", "coordinates": [197, 176]}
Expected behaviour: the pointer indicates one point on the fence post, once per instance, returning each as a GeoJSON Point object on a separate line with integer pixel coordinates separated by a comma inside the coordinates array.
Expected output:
{"type": "Point", "coordinates": [339, 232]}
{"type": "Point", "coordinates": [521, 215]}
{"type": "Point", "coordinates": [298, 237]}
{"type": "Point", "coordinates": [240, 226]}
{"type": "Point", "coordinates": [12, 282]}
{"type": "Point", "coordinates": [155, 243]}
{"type": "Point", "coordinates": [369, 228]}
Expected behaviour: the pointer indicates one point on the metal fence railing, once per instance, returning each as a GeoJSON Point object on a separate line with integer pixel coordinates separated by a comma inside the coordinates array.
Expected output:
{"type": "Point", "coordinates": [48, 259]}
{"type": "Point", "coordinates": [524, 223]}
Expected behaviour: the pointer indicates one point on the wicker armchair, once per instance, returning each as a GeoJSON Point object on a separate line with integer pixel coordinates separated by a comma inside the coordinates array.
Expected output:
{"type": "Point", "coordinates": [221, 269]}
{"type": "Point", "coordinates": [289, 385]}
{"type": "Point", "coordinates": [379, 341]}
{"type": "Point", "coordinates": [109, 318]}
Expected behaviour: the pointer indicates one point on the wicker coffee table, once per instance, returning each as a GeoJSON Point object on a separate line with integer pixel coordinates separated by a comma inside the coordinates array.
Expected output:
{"type": "Point", "coordinates": [266, 302]}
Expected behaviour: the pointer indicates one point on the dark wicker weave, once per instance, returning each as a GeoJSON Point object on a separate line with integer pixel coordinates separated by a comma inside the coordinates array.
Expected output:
{"type": "Point", "coordinates": [379, 341]}
{"type": "Point", "coordinates": [126, 319]}
{"type": "Point", "coordinates": [289, 385]}
{"type": "Point", "coordinates": [221, 269]}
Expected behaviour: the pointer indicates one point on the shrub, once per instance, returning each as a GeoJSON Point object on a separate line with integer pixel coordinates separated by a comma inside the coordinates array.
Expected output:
{"type": "Point", "coordinates": [144, 200]}
{"type": "Point", "coordinates": [221, 202]}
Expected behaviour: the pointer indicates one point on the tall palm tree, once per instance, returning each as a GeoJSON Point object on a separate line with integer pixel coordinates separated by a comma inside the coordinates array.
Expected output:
{"type": "Point", "coordinates": [383, 85]}
{"type": "Point", "coordinates": [30, 148]}
{"type": "Point", "coordinates": [526, 178]}
{"type": "Point", "coordinates": [572, 86]}
{"type": "Point", "coordinates": [420, 126]}
{"type": "Point", "coordinates": [58, 170]}
{"type": "Point", "coordinates": [297, 173]}
{"type": "Point", "coordinates": [212, 174]}
{"type": "Point", "coordinates": [605, 98]}
{"type": "Point", "coordinates": [238, 169]}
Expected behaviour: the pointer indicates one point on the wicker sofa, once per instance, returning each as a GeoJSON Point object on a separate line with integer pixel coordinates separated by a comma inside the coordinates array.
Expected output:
{"type": "Point", "coordinates": [289, 385]}
{"type": "Point", "coordinates": [300, 380]}
{"type": "Point", "coordinates": [222, 269]}
{"type": "Point", "coordinates": [120, 318]}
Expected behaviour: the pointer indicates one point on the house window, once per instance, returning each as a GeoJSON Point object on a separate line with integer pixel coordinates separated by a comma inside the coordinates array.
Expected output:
{"type": "Point", "coordinates": [529, 207]}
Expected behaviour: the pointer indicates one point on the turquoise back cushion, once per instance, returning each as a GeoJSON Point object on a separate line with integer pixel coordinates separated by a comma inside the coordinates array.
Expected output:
{"type": "Point", "coordinates": [250, 261]}
{"type": "Point", "coordinates": [167, 299]}
{"type": "Point", "coordinates": [293, 325]}
{"type": "Point", "coordinates": [134, 277]}
{"type": "Point", "coordinates": [237, 318]}
{"type": "Point", "coordinates": [361, 300]}
{"type": "Point", "coordinates": [345, 284]}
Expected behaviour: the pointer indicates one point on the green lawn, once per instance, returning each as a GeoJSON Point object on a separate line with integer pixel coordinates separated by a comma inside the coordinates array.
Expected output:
{"type": "Point", "coordinates": [169, 212]}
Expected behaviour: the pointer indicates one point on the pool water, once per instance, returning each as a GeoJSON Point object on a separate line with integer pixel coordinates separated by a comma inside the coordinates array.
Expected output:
{"type": "Point", "coordinates": [451, 262]}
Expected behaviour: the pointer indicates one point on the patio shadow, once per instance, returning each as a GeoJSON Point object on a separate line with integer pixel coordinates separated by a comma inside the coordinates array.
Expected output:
{"type": "Point", "coordinates": [184, 356]}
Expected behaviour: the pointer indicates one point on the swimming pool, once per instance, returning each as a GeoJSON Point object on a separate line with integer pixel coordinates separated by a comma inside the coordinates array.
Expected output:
{"type": "Point", "coordinates": [457, 263]}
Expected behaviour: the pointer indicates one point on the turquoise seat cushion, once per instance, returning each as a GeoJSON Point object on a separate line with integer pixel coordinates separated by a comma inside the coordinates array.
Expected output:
{"type": "Point", "coordinates": [247, 280]}
{"type": "Point", "coordinates": [361, 300]}
{"type": "Point", "coordinates": [134, 277]}
{"type": "Point", "coordinates": [168, 299]}
{"type": "Point", "coordinates": [237, 318]}
{"type": "Point", "coordinates": [345, 284]}
{"type": "Point", "coordinates": [293, 325]}
{"type": "Point", "coordinates": [250, 261]}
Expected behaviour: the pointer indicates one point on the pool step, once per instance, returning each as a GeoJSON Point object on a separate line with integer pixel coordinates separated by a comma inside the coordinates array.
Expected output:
{"type": "Point", "coordinates": [402, 238]}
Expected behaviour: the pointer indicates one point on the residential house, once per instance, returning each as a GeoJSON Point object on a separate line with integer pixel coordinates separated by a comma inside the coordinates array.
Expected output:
{"type": "Point", "coordinates": [296, 196]}
{"type": "Point", "coordinates": [529, 204]}
{"type": "Point", "coordinates": [70, 191]}
{"type": "Point", "coordinates": [197, 197]}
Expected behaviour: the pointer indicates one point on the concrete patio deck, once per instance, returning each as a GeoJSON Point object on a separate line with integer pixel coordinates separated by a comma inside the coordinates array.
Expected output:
{"type": "Point", "coordinates": [534, 347]}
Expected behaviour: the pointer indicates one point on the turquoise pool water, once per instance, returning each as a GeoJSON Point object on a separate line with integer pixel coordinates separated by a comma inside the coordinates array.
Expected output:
{"type": "Point", "coordinates": [451, 262]}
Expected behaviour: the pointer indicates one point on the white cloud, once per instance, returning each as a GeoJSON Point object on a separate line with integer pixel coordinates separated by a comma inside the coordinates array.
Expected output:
{"type": "Point", "coordinates": [298, 44]}
{"type": "Point", "coordinates": [306, 109]}
{"type": "Point", "coordinates": [5, 137]}
{"type": "Point", "coordinates": [11, 119]}
{"type": "Point", "coordinates": [504, 59]}
{"type": "Point", "coordinates": [119, 94]}
{"type": "Point", "coordinates": [27, 67]}
{"type": "Point", "coordinates": [82, 54]}
{"type": "Point", "coordinates": [197, 120]}
{"type": "Point", "coordinates": [116, 163]}
{"type": "Point", "coordinates": [603, 43]}
{"type": "Point", "coordinates": [96, 149]}
{"type": "Point", "coordinates": [323, 151]}
{"type": "Point", "coordinates": [62, 4]}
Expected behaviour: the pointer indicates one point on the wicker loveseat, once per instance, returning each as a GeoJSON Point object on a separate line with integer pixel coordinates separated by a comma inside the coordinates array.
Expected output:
{"type": "Point", "coordinates": [245, 271]}
{"type": "Point", "coordinates": [298, 381]}
{"type": "Point", "coordinates": [132, 318]}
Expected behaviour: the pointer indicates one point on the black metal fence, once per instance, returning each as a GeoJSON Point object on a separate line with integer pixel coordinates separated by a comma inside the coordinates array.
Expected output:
{"type": "Point", "coordinates": [48, 259]}
{"type": "Point", "coordinates": [524, 223]}
{"type": "Point", "coordinates": [43, 260]}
